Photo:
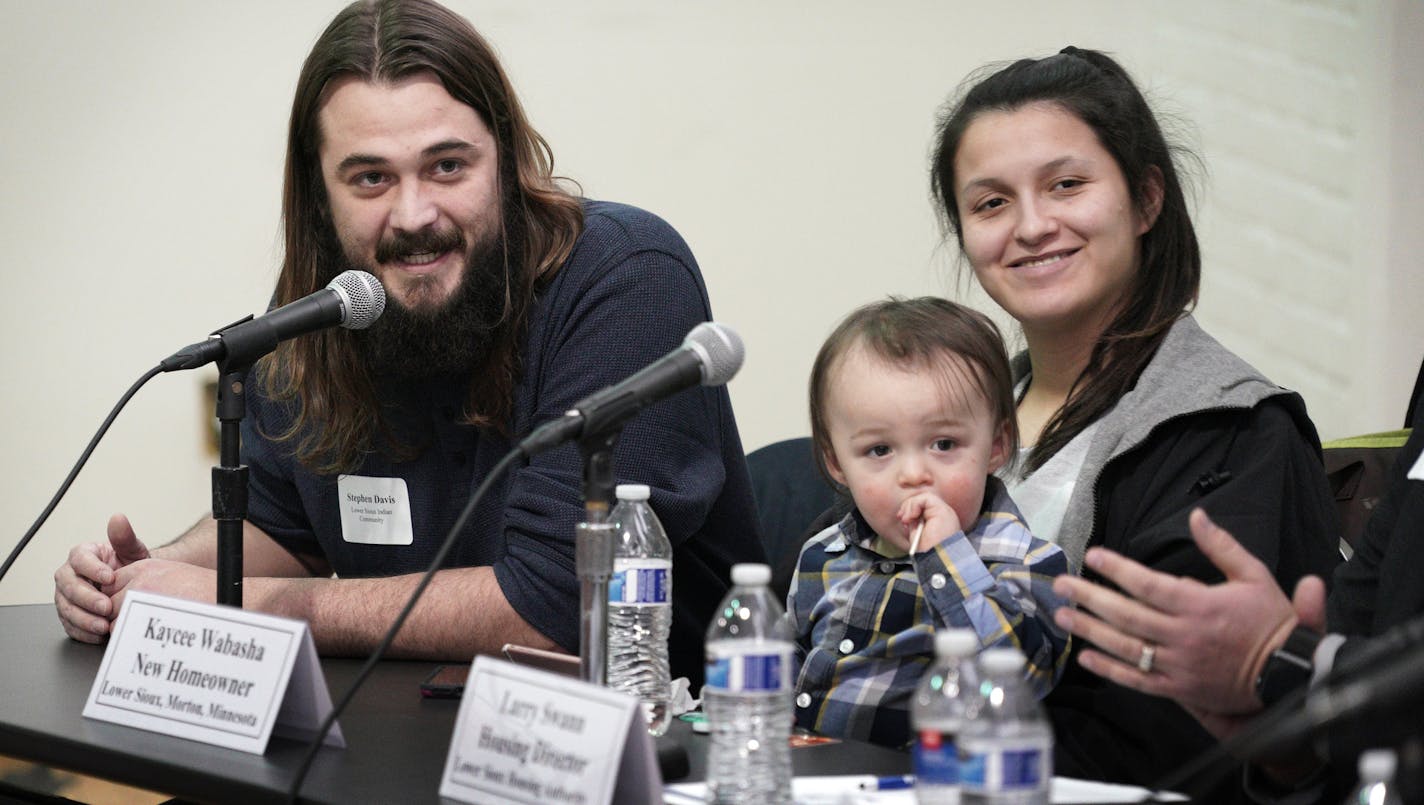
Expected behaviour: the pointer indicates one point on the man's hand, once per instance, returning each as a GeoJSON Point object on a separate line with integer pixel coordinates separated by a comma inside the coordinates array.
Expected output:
{"type": "Point", "coordinates": [178, 579]}
{"type": "Point", "coordinates": [1209, 641]}
{"type": "Point", "coordinates": [85, 610]}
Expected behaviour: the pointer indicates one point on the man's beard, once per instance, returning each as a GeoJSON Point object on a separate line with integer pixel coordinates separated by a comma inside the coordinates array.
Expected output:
{"type": "Point", "coordinates": [456, 336]}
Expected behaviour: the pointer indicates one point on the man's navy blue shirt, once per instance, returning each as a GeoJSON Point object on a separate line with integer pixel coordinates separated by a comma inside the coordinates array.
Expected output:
{"type": "Point", "coordinates": [627, 295]}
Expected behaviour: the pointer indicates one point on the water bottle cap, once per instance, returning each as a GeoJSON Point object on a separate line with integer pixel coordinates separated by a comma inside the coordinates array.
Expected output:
{"type": "Point", "coordinates": [1377, 764]}
{"type": "Point", "coordinates": [956, 643]}
{"type": "Point", "coordinates": [751, 574]}
{"type": "Point", "coordinates": [1002, 660]}
{"type": "Point", "coordinates": [632, 491]}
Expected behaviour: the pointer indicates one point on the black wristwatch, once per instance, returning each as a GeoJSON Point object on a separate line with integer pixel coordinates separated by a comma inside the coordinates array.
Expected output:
{"type": "Point", "coordinates": [1289, 667]}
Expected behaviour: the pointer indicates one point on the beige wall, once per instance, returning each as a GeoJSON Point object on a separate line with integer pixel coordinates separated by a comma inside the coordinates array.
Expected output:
{"type": "Point", "coordinates": [141, 145]}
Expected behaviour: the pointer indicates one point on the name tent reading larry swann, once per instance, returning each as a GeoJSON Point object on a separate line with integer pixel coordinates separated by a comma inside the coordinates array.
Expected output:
{"type": "Point", "coordinates": [530, 736]}
{"type": "Point", "coordinates": [209, 673]}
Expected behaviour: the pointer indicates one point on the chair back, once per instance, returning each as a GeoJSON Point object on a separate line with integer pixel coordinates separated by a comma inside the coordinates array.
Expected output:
{"type": "Point", "coordinates": [1359, 470]}
{"type": "Point", "coordinates": [790, 494]}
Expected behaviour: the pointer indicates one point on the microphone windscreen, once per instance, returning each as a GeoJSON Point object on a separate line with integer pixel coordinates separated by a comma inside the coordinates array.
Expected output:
{"type": "Point", "coordinates": [363, 298]}
{"type": "Point", "coordinates": [720, 349]}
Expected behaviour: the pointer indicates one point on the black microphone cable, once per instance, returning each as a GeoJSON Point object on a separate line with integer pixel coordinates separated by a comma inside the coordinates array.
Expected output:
{"type": "Point", "coordinates": [495, 473]}
{"type": "Point", "coordinates": [1353, 690]}
{"type": "Point", "coordinates": [78, 465]}
{"type": "Point", "coordinates": [1199, 773]}
{"type": "Point", "coordinates": [1204, 769]}
{"type": "Point", "coordinates": [356, 300]}
{"type": "Point", "coordinates": [719, 353]}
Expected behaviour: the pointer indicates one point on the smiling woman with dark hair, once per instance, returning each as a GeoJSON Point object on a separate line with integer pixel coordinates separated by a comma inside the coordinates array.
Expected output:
{"type": "Point", "coordinates": [1056, 180]}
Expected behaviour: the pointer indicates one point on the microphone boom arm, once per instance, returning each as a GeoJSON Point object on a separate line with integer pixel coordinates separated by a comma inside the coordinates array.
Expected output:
{"type": "Point", "coordinates": [593, 552]}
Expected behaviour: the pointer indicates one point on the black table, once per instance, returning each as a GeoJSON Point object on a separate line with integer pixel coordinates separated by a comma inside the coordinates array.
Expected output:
{"type": "Point", "coordinates": [396, 739]}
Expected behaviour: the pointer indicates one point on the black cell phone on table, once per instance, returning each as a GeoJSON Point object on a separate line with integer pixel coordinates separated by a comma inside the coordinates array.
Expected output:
{"type": "Point", "coordinates": [448, 681]}
{"type": "Point", "coordinates": [445, 682]}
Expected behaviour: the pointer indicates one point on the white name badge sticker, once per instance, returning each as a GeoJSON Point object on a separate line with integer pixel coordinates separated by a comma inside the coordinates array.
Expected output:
{"type": "Point", "coordinates": [374, 511]}
{"type": "Point", "coordinates": [210, 673]}
{"type": "Point", "coordinates": [530, 736]}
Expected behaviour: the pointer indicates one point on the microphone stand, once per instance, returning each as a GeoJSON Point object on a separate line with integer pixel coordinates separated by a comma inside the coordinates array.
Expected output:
{"type": "Point", "coordinates": [242, 348]}
{"type": "Point", "coordinates": [230, 486]}
{"type": "Point", "coordinates": [593, 554]}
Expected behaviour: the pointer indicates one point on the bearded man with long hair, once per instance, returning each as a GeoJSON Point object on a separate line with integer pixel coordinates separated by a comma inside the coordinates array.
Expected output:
{"type": "Point", "coordinates": [509, 299]}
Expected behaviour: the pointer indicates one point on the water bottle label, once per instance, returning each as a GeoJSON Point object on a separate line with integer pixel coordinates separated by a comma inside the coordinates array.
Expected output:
{"type": "Point", "coordinates": [760, 672]}
{"type": "Point", "coordinates": [936, 758]}
{"type": "Point", "coordinates": [1022, 768]}
{"type": "Point", "coordinates": [639, 581]}
{"type": "Point", "coordinates": [1003, 770]}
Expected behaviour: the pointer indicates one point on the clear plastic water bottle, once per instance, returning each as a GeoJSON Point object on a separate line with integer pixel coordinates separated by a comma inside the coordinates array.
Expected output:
{"type": "Point", "coordinates": [639, 606]}
{"type": "Point", "coordinates": [747, 696]}
{"type": "Point", "coordinates": [1006, 743]}
{"type": "Point", "coordinates": [1376, 780]}
{"type": "Point", "coordinates": [937, 715]}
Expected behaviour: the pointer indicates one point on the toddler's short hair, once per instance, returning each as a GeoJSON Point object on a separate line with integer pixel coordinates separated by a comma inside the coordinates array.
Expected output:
{"type": "Point", "coordinates": [928, 333]}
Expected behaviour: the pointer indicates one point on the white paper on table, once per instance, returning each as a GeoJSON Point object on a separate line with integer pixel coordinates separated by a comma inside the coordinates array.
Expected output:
{"type": "Point", "coordinates": [846, 790]}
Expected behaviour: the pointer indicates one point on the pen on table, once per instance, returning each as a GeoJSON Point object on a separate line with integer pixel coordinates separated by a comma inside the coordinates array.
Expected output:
{"type": "Point", "coordinates": [892, 783]}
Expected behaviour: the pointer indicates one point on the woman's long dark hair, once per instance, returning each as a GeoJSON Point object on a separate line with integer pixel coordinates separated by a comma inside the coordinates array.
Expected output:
{"type": "Point", "coordinates": [1094, 88]}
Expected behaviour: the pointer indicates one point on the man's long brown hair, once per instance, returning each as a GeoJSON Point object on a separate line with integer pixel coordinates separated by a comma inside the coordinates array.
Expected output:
{"type": "Point", "coordinates": [337, 416]}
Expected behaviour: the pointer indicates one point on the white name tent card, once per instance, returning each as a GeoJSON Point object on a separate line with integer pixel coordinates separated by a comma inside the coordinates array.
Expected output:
{"type": "Point", "coordinates": [210, 673]}
{"type": "Point", "coordinates": [531, 736]}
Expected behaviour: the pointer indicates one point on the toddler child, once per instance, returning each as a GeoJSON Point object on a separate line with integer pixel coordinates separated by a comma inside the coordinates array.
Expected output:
{"type": "Point", "coordinates": [912, 411]}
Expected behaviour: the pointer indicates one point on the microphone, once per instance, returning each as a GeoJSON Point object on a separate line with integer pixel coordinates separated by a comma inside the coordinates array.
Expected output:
{"type": "Point", "coordinates": [1383, 694]}
{"type": "Point", "coordinates": [354, 300]}
{"type": "Point", "coordinates": [1372, 693]}
{"type": "Point", "coordinates": [711, 354]}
